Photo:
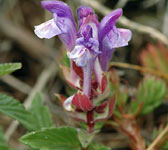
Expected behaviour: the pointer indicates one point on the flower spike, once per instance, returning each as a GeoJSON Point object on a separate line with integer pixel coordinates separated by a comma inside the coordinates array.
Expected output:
{"type": "Point", "coordinates": [89, 50]}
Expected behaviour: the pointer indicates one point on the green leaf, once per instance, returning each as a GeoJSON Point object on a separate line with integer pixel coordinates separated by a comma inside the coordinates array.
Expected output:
{"type": "Point", "coordinates": [3, 145]}
{"type": "Point", "coordinates": [85, 138]}
{"type": "Point", "coordinates": [149, 96]}
{"type": "Point", "coordinates": [165, 146]}
{"type": "Point", "coordinates": [63, 138]}
{"type": "Point", "coordinates": [9, 67]}
{"type": "Point", "coordinates": [42, 117]}
{"type": "Point", "coordinates": [95, 146]}
{"type": "Point", "coordinates": [13, 108]}
{"type": "Point", "coordinates": [65, 60]}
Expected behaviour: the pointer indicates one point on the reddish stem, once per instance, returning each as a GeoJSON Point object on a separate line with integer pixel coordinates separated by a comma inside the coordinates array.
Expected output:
{"type": "Point", "coordinates": [129, 127]}
{"type": "Point", "coordinates": [90, 121]}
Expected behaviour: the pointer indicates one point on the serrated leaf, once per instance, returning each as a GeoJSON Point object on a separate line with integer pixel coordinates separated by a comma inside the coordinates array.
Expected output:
{"type": "Point", "coordinates": [3, 145]}
{"type": "Point", "coordinates": [41, 114]}
{"type": "Point", "coordinates": [95, 146]}
{"type": "Point", "coordinates": [149, 96]}
{"type": "Point", "coordinates": [63, 138]}
{"type": "Point", "coordinates": [13, 108]}
{"type": "Point", "coordinates": [9, 67]}
{"type": "Point", "coordinates": [85, 138]}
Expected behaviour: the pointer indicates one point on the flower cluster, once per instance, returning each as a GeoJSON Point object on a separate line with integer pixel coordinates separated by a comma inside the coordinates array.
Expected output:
{"type": "Point", "coordinates": [89, 49]}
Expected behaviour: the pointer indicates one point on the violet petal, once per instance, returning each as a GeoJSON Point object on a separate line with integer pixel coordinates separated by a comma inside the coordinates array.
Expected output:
{"type": "Point", "coordinates": [105, 57]}
{"type": "Point", "coordinates": [125, 35]}
{"type": "Point", "coordinates": [83, 12]}
{"type": "Point", "coordinates": [114, 39]}
{"type": "Point", "coordinates": [111, 37]}
{"type": "Point", "coordinates": [108, 23]}
{"type": "Point", "coordinates": [64, 19]}
{"type": "Point", "coordinates": [87, 72]}
{"type": "Point", "coordinates": [117, 38]}
{"type": "Point", "coordinates": [87, 32]}
{"type": "Point", "coordinates": [58, 7]}
{"type": "Point", "coordinates": [98, 71]}
{"type": "Point", "coordinates": [86, 16]}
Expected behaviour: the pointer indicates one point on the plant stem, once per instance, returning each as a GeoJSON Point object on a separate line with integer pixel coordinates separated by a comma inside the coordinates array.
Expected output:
{"type": "Point", "coordinates": [128, 126]}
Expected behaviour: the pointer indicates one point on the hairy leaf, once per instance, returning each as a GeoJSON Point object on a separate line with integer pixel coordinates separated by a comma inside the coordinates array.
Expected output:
{"type": "Point", "coordinates": [155, 57]}
{"type": "Point", "coordinates": [150, 95]}
{"type": "Point", "coordinates": [13, 108]}
{"type": "Point", "coordinates": [9, 67]}
{"type": "Point", "coordinates": [40, 113]}
{"type": "Point", "coordinates": [95, 146]}
{"type": "Point", "coordinates": [63, 138]}
{"type": "Point", "coordinates": [85, 138]}
{"type": "Point", "coordinates": [3, 145]}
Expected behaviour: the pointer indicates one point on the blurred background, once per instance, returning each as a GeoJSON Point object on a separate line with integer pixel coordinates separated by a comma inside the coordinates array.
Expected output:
{"type": "Point", "coordinates": [148, 20]}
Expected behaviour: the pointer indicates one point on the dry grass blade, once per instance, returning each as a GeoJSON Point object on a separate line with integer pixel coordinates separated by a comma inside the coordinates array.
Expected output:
{"type": "Point", "coordinates": [139, 68]}
{"type": "Point", "coordinates": [158, 139]}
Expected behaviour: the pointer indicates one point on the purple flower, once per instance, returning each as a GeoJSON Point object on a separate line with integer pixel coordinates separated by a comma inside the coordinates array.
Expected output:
{"type": "Point", "coordinates": [62, 24]}
{"type": "Point", "coordinates": [89, 49]}
{"type": "Point", "coordinates": [92, 41]}
{"type": "Point", "coordinates": [111, 37]}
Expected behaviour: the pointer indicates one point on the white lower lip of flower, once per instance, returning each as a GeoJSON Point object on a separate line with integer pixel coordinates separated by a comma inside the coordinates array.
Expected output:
{"type": "Point", "coordinates": [47, 29]}
{"type": "Point", "coordinates": [67, 104]}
